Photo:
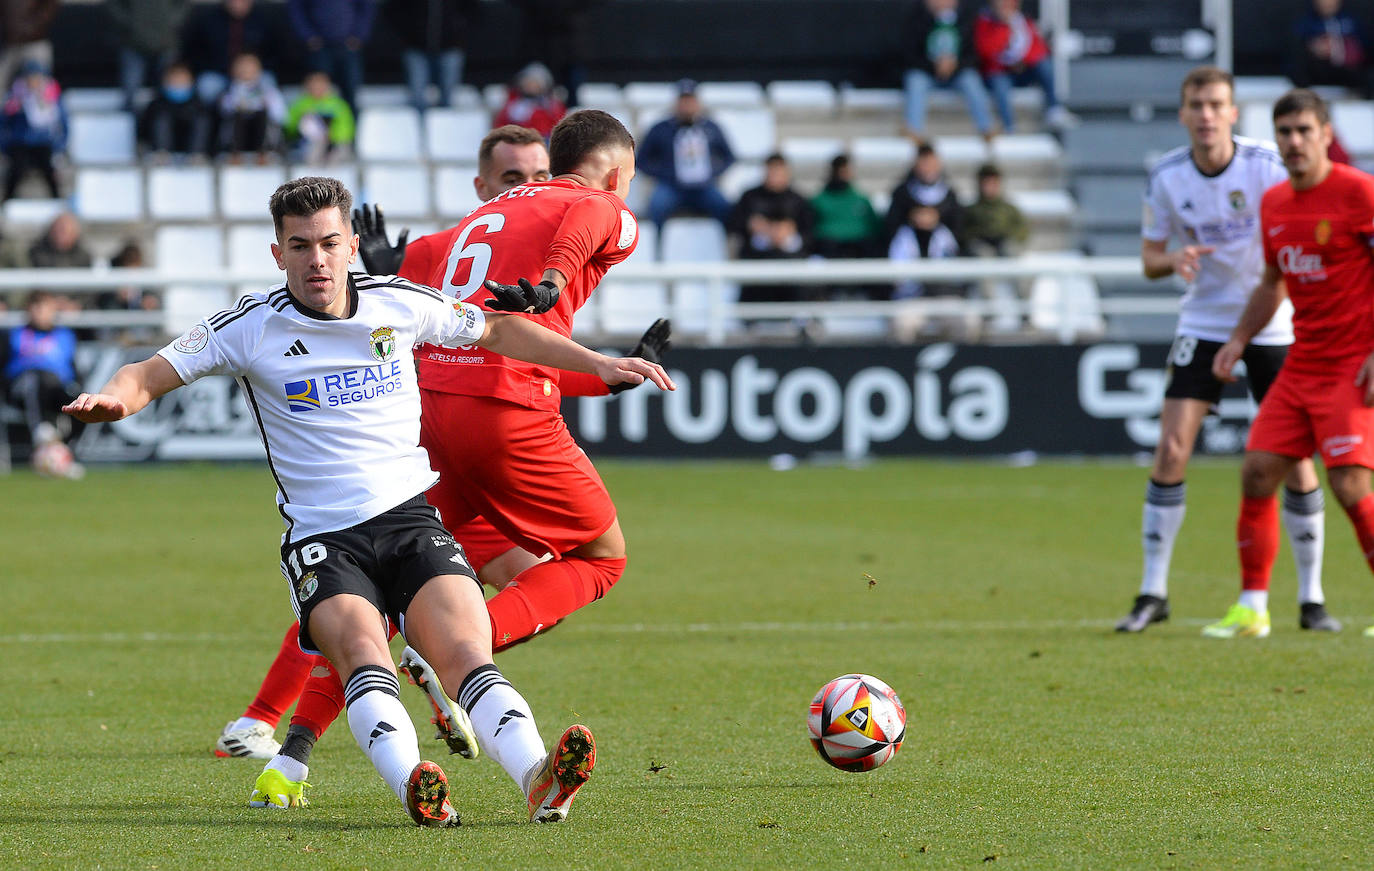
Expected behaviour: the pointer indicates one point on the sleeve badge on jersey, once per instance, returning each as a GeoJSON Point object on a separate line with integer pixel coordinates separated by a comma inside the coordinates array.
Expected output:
{"type": "Point", "coordinates": [628, 230]}
{"type": "Point", "coordinates": [194, 341]}
{"type": "Point", "coordinates": [383, 342]}
{"type": "Point", "coordinates": [467, 313]}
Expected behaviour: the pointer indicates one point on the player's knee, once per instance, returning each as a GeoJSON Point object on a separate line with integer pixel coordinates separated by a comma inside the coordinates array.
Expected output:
{"type": "Point", "coordinates": [607, 572]}
{"type": "Point", "coordinates": [1350, 484]}
{"type": "Point", "coordinates": [1260, 476]}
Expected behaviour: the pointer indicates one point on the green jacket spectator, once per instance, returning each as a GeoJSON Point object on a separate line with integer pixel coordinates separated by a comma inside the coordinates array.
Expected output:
{"type": "Point", "coordinates": [846, 224]}
{"type": "Point", "coordinates": [319, 121]}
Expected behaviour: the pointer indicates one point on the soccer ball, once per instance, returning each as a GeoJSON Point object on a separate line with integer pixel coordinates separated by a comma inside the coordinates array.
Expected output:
{"type": "Point", "coordinates": [856, 722]}
{"type": "Point", "coordinates": [54, 460]}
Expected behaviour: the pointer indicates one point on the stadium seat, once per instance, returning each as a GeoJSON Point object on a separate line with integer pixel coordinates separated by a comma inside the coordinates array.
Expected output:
{"type": "Point", "coordinates": [627, 308]}
{"type": "Point", "coordinates": [112, 194]}
{"type": "Point", "coordinates": [248, 249]}
{"type": "Point", "coordinates": [696, 240]}
{"type": "Point", "coordinates": [883, 153]}
{"type": "Point", "coordinates": [807, 153]}
{"type": "Point", "coordinates": [752, 133]}
{"type": "Point", "coordinates": [804, 98]}
{"type": "Point", "coordinates": [1260, 89]}
{"type": "Point", "coordinates": [468, 97]}
{"type": "Point", "coordinates": [868, 101]}
{"type": "Point", "coordinates": [740, 177]}
{"type": "Point", "coordinates": [651, 96]}
{"type": "Point", "coordinates": [344, 172]}
{"type": "Point", "coordinates": [731, 95]}
{"type": "Point", "coordinates": [453, 193]}
{"type": "Point", "coordinates": [1109, 201]}
{"type": "Point", "coordinates": [1119, 145]}
{"type": "Point", "coordinates": [245, 190]}
{"type": "Point", "coordinates": [181, 193]}
{"type": "Point", "coordinates": [1044, 205]}
{"type": "Point", "coordinates": [82, 100]}
{"type": "Point", "coordinates": [1066, 306]}
{"type": "Point", "coordinates": [494, 96]}
{"type": "Point", "coordinates": [1256, 121]}
{"type": "Point", "coordinates": [455, 134]}
{"type": "Point", "coordinates": [32, 213]}
{"type": "Point", "coordinates": [375, 96]}
{"type": "Point", "coordinates": [403, 191]}
{"type": "Point", "coordinates": [1027, 148]}
{"type": "Point", "coordinates": [389, 133]}
{"type": "Point", "coordinates": [600, 95]}
{"type": "Point", "coordinates": [191, 248]}
{"type": "Point", "coordinates": [101, 137]}
{"type": "Point", "coordinates": [1354, 126]}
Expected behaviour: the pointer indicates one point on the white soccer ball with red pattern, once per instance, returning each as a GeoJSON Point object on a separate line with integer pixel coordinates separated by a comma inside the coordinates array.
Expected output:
{"type": "Point", "coordinates": [53, 460]}
{"type": "Point", "coordinates": [857, 722]}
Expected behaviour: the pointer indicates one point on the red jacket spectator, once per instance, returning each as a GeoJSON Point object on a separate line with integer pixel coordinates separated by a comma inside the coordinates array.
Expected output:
{"type": "Point", "coordinates": [1007, 46]}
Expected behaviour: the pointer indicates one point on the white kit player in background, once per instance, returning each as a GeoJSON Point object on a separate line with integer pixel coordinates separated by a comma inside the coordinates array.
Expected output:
{"type": "Point", "coordinates": [326, 368]}
{"type": "Point", "coordinates": [1207, 195]}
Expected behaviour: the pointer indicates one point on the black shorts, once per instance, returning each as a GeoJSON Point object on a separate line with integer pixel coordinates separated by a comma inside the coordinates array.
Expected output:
{"type": "Point", "coordinates": [1190, 369]}
{"type": "Point", "coordinates": [386, 560]}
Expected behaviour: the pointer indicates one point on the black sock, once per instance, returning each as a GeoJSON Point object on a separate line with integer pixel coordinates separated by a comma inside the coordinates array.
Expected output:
{"type": "Point", "coordinates": [298, 744]}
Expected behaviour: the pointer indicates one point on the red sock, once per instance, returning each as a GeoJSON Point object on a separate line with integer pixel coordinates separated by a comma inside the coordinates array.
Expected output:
{"type": "Point", "coordinates": [1362, 516]}
{"type": "Point", "coordinates": [544, 594]}
{"type": "Point", "coordinates": [321, 700]}
{"type": "Point", "coordinates": [1257, 538]}
{"type": "Point", "coordinates": [283, 682]}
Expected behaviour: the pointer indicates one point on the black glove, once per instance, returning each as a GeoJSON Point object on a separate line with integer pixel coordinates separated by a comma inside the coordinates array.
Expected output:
{"type": "Point", "coordinates": [652, 346]}
{"type": "Point", "coordinates": [534, 299]}
{"type": "Point", "coordinates": [379, 258]}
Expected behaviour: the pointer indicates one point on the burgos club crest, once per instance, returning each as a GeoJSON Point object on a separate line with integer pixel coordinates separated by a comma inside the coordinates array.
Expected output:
{"type": "Point", "coordinates": [383, 342]}
{"type": "Point", "coordinates": [307, 586]}
{"type": "Point", "coordinates": [1237, 199]}
{"type": "Point", "coordinates": [1323, 232]}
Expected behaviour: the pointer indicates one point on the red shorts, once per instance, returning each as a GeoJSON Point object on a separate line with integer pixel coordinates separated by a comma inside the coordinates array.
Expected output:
{"type": "Point", "coordinates": [515, 468]}
{"type": "Point", "coordinates": [1303, 414]}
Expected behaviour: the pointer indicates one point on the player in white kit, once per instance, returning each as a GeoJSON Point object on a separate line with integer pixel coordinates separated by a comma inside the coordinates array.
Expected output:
{"type": "Point", "coordinates": [326, 368]}
{"type": "Point", "coordinates": [1208, 194]}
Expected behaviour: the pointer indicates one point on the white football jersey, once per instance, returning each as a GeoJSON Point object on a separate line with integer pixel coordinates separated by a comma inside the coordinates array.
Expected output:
{"type": "Point", "coordinates": [335, 399]}
{"type": "Point", "coordinates": [1221, 210]}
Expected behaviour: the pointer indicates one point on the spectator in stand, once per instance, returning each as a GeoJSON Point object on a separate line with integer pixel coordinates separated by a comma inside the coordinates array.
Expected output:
{"type": "Point", "coordinates": [148, 32]}
{"type": "Point", "coordinates": [1330, 47]}
{"type": "Point", "coordinates": [61, 247]}
{"type": "Point", "coordinates": [40, 378]}
{"type": "Point", "coordinates": [1012, 52]}
{"type": "Point", "coordinates": [251, 112]}
{"type": "Point", "coordinates": [925, 185]}
{"type": "Point", "coordinates": [334, 33]}
{"type": "Point", "coordinates": [319, 123]}
{"type": "Point", "coordinates": [993, 225]}
{"type": "Point", "coordinates": [846, 224]}
{"type": "Point", "coordinates": [24, 26]}
{"type": "Point", "coordinates": [175, 125]}
{"type": "Point", "coordinates": [922, 237]}
{"type": "Point", "coordinates": [559, 33]}
{"type": "Point", "coordinates": [530, 102]}
{"type": "Point", "coordinates": [33, 127]}
{"type": "Point", "coordinates": [433, 36]}
{"type": "Point", "coordinates": [937, 51]}
{"type": "Point", "coordinates": [215, 35]}
{"type": "Point", "coordinates": [685, 155]}
{"type": "Point", "coordinates": [772, 222]}
{"type": "Point", "coordinates": [129, 297]}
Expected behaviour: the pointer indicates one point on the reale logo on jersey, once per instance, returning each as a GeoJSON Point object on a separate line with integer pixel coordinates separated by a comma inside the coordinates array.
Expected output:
{"type": "Point", "coordinates": [383, 341]}
{"type": "Point", "coordinates": [302, 395]}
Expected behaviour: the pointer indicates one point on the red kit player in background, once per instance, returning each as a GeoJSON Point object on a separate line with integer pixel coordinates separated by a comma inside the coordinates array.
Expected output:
{"type": "Point", "coordinates": [1317, 230]}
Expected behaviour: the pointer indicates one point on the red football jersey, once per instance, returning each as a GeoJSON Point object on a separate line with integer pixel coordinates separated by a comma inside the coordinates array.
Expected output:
{"type": "Point", "coordinates": [1320, 240]}
{"type": "Point", "coordinates": [556, 224]}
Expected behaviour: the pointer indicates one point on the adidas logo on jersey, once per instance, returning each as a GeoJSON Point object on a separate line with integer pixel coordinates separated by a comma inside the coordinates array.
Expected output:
{"type": "Point", "coordinates": [297, 349]}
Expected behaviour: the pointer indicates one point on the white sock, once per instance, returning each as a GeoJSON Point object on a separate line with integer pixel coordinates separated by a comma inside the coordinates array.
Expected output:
{"type": "Point", "coordinates": [291, 769]}
{"type": "Point", "coordinates": [1160, 522]}
{"type": "Point", "coordinates": [1304, 516]}
{"type": "Point", "coordinates": [247, 722]}
{"type": "Point", "coordinates": [504, 723]}
{"type": "Point", "coordinates": [381, 725]}
{"type": "Point", "coordinates": [1256, 600]}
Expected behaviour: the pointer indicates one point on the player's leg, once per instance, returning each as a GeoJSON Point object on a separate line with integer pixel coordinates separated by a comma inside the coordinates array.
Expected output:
{"type": "Point", "coordinates": [1351, 484]}
{"type": "Point", "coordinates": [1304, 506]}
{"type": "Point", "coordinates": [251, 734]}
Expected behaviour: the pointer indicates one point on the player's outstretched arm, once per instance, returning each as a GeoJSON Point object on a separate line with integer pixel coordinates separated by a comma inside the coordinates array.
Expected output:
{"type": "Point", "coordinates": [526, 340]}
{"type": "Point", "coordinates": [128, 392]}
{"type": "Point", "coordinates": [1158, 262]}
{"type": "Point", "coordinates": [379, 256]}
{"type": "Point", "coordinates": [1264, 301]}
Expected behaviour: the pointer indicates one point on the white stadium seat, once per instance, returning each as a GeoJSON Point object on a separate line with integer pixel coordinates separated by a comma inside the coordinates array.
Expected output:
{"type": "Point", "coordinates": [888, 153]}
{"type": "Point", "coordinates": [191, 248]}
{"type": "Point", "coordinates": [627, 308]}
{"type": "Point", "coordinates": [108, 194]}
{"type": "Point", "coordinates": [494, 96]}
{"type": "Point", "coordinates": [389, 133]}
{"type": "Point", "coordinates": [1045, 205]}
{"type": "Point", "coordinates": [600, 95]}
{"type": "Point", "coordinates": [803, 97]}
{"type": "Point", "coordinates": [1256, 121]}
{"type": "Point", "coordinates": [21, 212]}
{"type": "Point", "coordinates": [248, 247]}
{"type": "Point", "coordinates": [652, 96]}
{"type": "Point", "coordinates": [1354, 126]}
{"type": "Point", "coordinates": [731, 95]}
{"type": "Point", "coordinates": [871, 100]}
{"type": "Point", "coordinates": [752, 133]}
{"type": "Point", "coordinates": [101, 137]}
{"type": "Point", "coordinates": [811, 152]}
{"type": "Point", "coordinates": [453, 192]}
{"type": "Point", "coordinates": [374, 96]}
{"type": "Point", "coordinates": [740, 177]}
{"type": "Point", "coordinates": [81, 100]}
{"type": "Point", "coordinates": [245, 190]}
{"type": "Point", "coordinates": [1023, 148]}
{"type": "Point", "coordinates": [455, 134]}
{"type": "Point", "coordinates": [695, 240]}
{"type": "Point", "coordinates": [402, 191]}
{"type": "Point", "coordinates": [468, 97]}
{"type": "Point", "coordinates": [181, 193]}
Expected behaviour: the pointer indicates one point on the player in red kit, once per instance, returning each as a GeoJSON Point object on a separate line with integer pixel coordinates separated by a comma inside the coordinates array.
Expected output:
{"type": "Point", "coordinates": [1317, 231]}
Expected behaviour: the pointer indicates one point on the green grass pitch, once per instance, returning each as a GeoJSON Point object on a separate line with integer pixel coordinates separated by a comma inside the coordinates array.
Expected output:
{"type": "Point", "coordinates": [141, 606]}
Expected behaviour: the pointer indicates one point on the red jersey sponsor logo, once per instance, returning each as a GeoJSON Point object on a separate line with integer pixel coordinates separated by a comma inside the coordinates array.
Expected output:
{"type": "Point", "coordinates": [1294, 261]}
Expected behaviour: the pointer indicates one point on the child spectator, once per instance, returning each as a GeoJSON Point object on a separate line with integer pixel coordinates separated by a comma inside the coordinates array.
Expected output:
{"type": "Point", "coordinates": [922, 237]}
{"type": "Point", "coordinates": [216, 34]}
{"type": "Point", "coordinates": [1012, 52]}
{"type": "Point", "coordinates": [33, 127]}
{"type": "Point", "coordinates": [530, 102]}
{"type": "Point", "coordinates": [40, 378]}
{"type": "Point", "coordinates": [175, 124]}
{"type": "Point", "coordinates": [319, 123]}
{"type": "Point", "coordinates": [993, 225]}
{"type": "Point", "coordinates": [1330, 47]}
{"type": "Point", "coordinates": [251, 111]}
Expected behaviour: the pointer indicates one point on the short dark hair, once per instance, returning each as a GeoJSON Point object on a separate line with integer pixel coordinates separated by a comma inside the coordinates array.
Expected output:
{"type": "Point", "coordinates": [775, 157]}
{"type": "Point", "coordinates": [989, 170]}
{"type": "Point", "coordinates": [925, 149]}
{"type": "Point", "coordinates": [1302, 100]}
{"type": "Point", "coordinates": [303, 197]}
{"type": "Point", "coordinates": [581, 133]}
{"type": "Point", "coordinates": [511, 134]}
{"type": "Point", "coordinates": [839, 162]}
{"type": "Point", "coordinates": [1199, 76]}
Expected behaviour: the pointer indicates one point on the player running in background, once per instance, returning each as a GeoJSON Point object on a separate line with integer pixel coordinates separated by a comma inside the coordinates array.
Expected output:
{"type": "Point", "coordinates": [1317, 233]}
{"type": "Point", "coordinates": [340, 423]}
{"type": "Point", "coordinates": [1209, 192]}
